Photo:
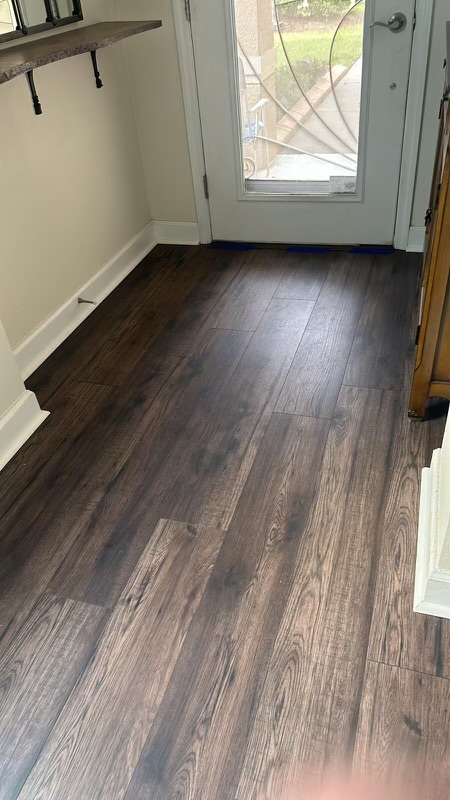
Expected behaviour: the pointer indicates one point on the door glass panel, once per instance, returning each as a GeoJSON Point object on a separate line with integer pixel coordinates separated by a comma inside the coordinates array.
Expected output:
{"type": "Point", "coordinates": [300, 67]}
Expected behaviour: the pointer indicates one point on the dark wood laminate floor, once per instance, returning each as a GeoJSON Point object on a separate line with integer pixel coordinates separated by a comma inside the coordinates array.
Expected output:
{"type": "Point", "coordinates": [207, 551]}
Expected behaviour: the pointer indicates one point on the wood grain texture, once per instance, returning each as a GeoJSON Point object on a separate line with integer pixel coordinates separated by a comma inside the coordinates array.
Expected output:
{"type": "Point", "coordinates": [380, 349]}
{"type": "Point", "coordinates": [29, 55]}
{"type": "Point", "coordinates": [112, 708]}
{"type": "Point", "coordinates": [163, 298]}
{"type": "Point", "coordinates": [140, 490]}
{"type": "Point", "coordinates": [71, 410]}
{"type": "Point", "coordinates": [303, 276]}
{"type": "Point", "coordinates": [315, 378]}
{"type": "Point", "coordinates": [398, 635]}
{"type": "Point", "coordinates": [38, 528]}
{"type": "Point", "coordinates": [220, 459]}
{"type": "Point", "coordinates": [432, 369]}
{"type": "Point", "coordinates": [115, 314]}
{"type": "Point", "coordinates": [26, 510]}
{"type": "Point", "coordinates": [403, 730]}
{"type": "Point", "coordinates": [307, 712]}
{"type": "Point", "coordinates": [239, 661]}
{"type": "Point", "coordinates": [37, 674]}
{"type": "Point", "coordinates": [186, 328]}
{"type": "Point", "coordinates": [250, 294]}
{"type": "Point", "coordinates": [210, 700]}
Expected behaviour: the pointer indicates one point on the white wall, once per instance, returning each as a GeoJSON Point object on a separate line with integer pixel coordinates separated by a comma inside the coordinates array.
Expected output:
{"type": "Point", "coordinates": [72, 192]}
{"type": "Point", "coordinates": [430, 123]}
{"type": "Point", "coordinates": [158, 103]}
{"type": "Point", "coordinates": [11, 386]}
{"type": "Point", "coordinates": [20, 413]}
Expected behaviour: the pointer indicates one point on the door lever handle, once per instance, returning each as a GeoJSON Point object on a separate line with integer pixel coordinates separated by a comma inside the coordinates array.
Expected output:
{"type": "Point", "coordinates": [396, 23]}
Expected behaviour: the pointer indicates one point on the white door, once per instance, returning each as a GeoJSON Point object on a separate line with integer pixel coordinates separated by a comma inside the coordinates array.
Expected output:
{"type": "Point", "coordinates": [303, 105]}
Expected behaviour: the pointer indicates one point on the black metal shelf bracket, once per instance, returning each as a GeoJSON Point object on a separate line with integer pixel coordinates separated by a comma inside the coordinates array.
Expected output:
{"type": "Point", "coordinates": [98, 80]}
{"type": "Point", "coordinates": [34, 94]}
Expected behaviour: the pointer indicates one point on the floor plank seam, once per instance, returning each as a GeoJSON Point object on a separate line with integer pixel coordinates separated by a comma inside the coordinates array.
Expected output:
{"type": "Point", "coordinates": [276, 399]}
{"type": "Point", "coordinates": [371, 388]}
{"type": "Point", "coordinates": [409, 669]}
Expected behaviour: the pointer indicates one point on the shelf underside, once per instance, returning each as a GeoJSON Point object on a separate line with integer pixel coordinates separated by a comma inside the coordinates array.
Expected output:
{"type": "Point", "coordinates": [30, 55]}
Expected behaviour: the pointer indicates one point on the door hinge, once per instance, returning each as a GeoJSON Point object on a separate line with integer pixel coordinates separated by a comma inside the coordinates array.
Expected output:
{"type": "Point", "coordinates": [205, 186]}
{"type": "Point", "coordinates": [414, 21]}
{"type": "Point", "coordinates": [187, 9]}
{"type": "Point", "coordinates": [444, 99]}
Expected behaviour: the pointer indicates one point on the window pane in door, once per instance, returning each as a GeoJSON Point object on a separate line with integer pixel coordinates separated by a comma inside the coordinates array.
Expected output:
{"type": "Point", "coordinates": [300, 67]}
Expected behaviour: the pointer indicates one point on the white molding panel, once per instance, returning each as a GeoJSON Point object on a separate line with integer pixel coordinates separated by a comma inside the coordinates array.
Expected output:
{"type": "Point", "coordinates": [432, 585]}
{"type": "Point", "coordinates": [18, 424]}
{"type": "Point", "coordinates": [416, 240]}
{"type": "Point", "coordinates": [31, 353]}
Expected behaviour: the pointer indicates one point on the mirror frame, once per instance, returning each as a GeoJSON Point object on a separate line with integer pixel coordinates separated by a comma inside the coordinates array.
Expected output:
{"type": "Point", "coordinates": [51, 22]}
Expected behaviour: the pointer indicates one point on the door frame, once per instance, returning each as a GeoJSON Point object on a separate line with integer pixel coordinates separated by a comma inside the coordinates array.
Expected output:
{"type": "Point", "coordinates": [413, 127]}
{"type": "Point", "coordinates": [412, 130]}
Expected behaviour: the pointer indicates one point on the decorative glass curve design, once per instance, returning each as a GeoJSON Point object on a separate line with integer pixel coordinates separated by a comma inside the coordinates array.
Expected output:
{"type": "Point", "coordinates": [300, 66]}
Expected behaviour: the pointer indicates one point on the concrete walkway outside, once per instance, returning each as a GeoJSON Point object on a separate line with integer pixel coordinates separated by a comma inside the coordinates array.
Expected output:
{"type": "Point", "coordinates": [316, 139]}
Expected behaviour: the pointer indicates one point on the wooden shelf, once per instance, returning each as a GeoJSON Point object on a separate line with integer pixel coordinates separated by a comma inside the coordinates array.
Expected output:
{"type": "Point", "coordinates": [23, 59]}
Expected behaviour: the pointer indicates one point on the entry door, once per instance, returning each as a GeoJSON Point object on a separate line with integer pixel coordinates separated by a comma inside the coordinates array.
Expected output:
{"type": "Point", "coordinates": [303, 105]}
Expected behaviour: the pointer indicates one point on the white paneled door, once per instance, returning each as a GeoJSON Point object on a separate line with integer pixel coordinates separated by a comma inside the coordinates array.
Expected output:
{"type": "Point", "coordinates": [302, 105]}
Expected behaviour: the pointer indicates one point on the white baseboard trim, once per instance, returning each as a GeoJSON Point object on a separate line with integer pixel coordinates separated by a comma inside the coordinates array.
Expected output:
{"type": "Point", "coordinates": [33, 351]}
{"type": "Point", "coordinates": [416, 240]}
{"type": "Point", "coordinates": [18, 424]}
{"type": "Point", "coordinates": [176, 232]}
{"type": "Point", "coordinates": [41, 342]}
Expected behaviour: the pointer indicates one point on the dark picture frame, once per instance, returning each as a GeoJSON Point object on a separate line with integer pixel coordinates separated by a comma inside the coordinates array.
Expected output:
{"type": "Point", "coordinates": [53, 18]}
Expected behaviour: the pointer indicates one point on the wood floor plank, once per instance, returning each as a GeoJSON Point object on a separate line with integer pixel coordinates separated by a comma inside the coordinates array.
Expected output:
{"type": "Point", "coordinates": [71, 408]}
{"type": "Point", "coordinates": [245, 303]}
{"type": "Point", "coordinates": [37, 674]}
{"type": "Point", "coordinates": [94, 335]}
{"type": "Point", "coordinates": [48, 503]}
{"type": "Point", "coordinates": [186, 328]}
{"type": "Point", "coordinates": [26, 502]}
{"type": "Point", "coordinates": [197, 740]}
{"type": "Point", "coordinates": [159, 302]}
{"type": "Point", "coordinates": [219, 460]}
{"type": "Point", "coordinates": [380, 349]}
{"type": "Point", "coordinates": [308, 709]}
{"type": "Point", "coordinates": [141, 489]}
{"type": "Point", "coordinates": [224, 681]}
{"type": "Point", "coordinates": [403, 730]}
{"type": "Point", "coordinates": [98, 738]}
{"type": "Point", "coordinates": [314, 380]}
{"type": "Point", "coordinates": [304, 276]}
{"type": "Point", "coordinates": [398, 635]}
